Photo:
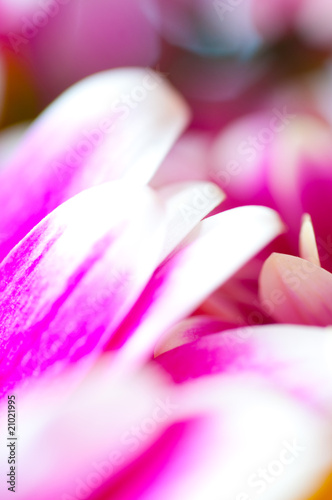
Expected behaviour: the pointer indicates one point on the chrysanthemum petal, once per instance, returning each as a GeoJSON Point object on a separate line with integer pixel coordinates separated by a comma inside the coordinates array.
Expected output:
{"type": "Point", "coordinates": [69, 283]}
{"type": "Point", "coordinates": [202, 440]}
{"type": "Point", "coordinates": [295, 359]}
{"type": "Point", "coordinates": [113, 124]}
{"type": "Point", "coordinates": [293, 290]}
{"type": "Point", "coordinates": [216, 250]}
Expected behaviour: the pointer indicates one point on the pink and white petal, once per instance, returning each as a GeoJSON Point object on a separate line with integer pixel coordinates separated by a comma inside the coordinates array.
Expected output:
{"type": "Point", "coordinates": [308, 246]}
{"type": "Point", "coordinates": [293, 290]}
{"type": "Point", "coordinates": [71, 280]}
{"type": "Point", "coordinates": [293, 359]}
{"type": "Point", "coordinates": [187, 203]}
{"type": "Point", "coordinates": [215, 434]}
{"type": "Point", "coordinates": [242, 427]}
{"type": "Point", "coordinates": [254, 427]}
{"type": "Point", "coordinates": [218, 247]}
{"type": "Point", "coordinates": [92, 136]}
{"type": "Point", "coordinates": [73, 441]}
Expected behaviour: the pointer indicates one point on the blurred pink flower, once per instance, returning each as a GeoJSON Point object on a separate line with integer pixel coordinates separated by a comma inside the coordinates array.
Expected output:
{"type": "Point", "coordinates": [237, 413]}
{"type": "Point", "coordinates": [130, 285]}
{"type": "Point", "coordinates": [64, 41]}
{"type": "Point", "coordinates": [71, 283]}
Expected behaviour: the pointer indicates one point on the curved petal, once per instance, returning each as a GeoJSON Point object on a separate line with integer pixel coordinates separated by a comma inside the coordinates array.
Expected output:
{"type": "Point", "coordinates": [204, 440]}
{"type": "Point", "coordinates": [68, 284]}
{"type": "Point", "coordinates": [113, 124]}
{"type": "Point", "coordinates": [219, 247]}
{"type": "Point", "coordinates": [134, 413]}
{"type": "Point", "coordinates": [293, 290]}
{"type": "Point", "coordinates": [294, 359]}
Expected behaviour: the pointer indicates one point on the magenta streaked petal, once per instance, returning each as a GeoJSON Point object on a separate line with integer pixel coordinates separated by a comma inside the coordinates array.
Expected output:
{"type": "Point", "coordinates": [218, 247]}
{"type": "Point", "coordinates": [294, 290]}
{"type": "Point", "coordinates": [295, 359]}
{"type": "Point", "coordinates": [88, 137]}
{"type": "Point", "coordinates": [70, 282]}
{"type": "Point", "coordinates": [197, 440]}
{"type": "Point", "coordinates": [68, 419]}
{"type": "Point", "coordinates": [247, 426]}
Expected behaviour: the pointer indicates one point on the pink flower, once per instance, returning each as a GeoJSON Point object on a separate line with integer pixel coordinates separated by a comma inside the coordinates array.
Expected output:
{"type": "Point", "coordinates": [135, 261]}
{"type": "Point", "coordinates": [108, 264]}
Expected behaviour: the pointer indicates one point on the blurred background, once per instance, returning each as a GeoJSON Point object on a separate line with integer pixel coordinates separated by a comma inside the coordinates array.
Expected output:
{"type": "Point", "coordinates": [227, 57]}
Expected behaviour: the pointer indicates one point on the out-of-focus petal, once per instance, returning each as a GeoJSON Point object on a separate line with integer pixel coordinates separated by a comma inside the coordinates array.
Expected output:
{"type": "Point", "coordinates": [313, 22]}
{"type": "Point", "coordinates": [218, 247]}
{"type": "Point", "coordinates": [244, 429]}
{"type": "Point", "coordinates": [300, 178]}
{"type": "Point", "coordinates": [276, 18]}
{"type": "Point", "coordinates": [206, 27]}
{"type": "Point", "coordinates": [308, 246]}
{"type": "Point", "coordinates": [295, 359]}
{"type": "Point", "coordinates": [71, 280]}
{"type": "Point", "coordinates": [64, 41]}
{"type": "Point", "coordinates": [294, 290]}
{"type": "Point", "coordinates": [200, 440]}
{"type": "Point", "coordinates": [96, 448]}
{"type": "Point", "coordinates": [239, 158]}
{"type": "Point", "coordinates": [89, 136]}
